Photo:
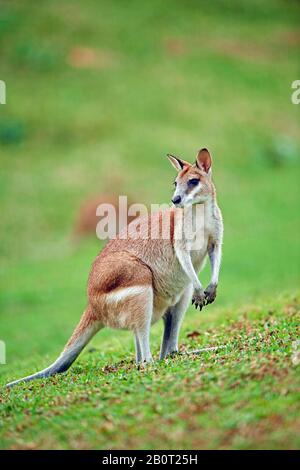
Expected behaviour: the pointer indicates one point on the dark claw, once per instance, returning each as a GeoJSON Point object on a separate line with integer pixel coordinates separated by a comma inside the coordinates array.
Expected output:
{"type": "Point", "coordinates": [210, 295]}
{"type": "Point", "coordinates": [200, 303]}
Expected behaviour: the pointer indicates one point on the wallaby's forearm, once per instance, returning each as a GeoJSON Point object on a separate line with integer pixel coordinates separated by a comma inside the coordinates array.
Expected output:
{"type": "Point", "coordinates": [215, 255]}
{"type": "Point", "coordinates": [184, 258]}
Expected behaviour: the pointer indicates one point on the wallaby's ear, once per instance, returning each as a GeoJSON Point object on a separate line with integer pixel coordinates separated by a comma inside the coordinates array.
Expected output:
{"type": "Point", "coordinates": [177, 163]}
{"type": "Point", "coordinates": [203, 160]}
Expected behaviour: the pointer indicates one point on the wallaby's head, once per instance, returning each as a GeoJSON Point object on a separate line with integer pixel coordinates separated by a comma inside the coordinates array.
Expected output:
{"type": "Point", "coordinates": [193, 184]}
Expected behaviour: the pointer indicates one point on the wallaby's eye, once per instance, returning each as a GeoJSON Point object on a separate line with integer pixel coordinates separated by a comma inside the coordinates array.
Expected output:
{"type": "Point", "coordinates": [193, 182]}
{"type": "Point", "coordinates": [175, 184]}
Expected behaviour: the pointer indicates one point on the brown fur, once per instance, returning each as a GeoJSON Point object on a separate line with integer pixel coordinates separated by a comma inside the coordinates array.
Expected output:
{"type": "Point", "coordinates": [124, 263]}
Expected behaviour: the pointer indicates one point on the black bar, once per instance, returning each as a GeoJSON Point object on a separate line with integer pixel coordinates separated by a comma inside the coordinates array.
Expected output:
{"type": "Point", "coordinates": [138, 458]}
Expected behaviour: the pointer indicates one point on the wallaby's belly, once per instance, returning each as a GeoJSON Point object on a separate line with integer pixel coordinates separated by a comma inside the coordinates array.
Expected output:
{"type": "Point", "coordinates": [170, 281]}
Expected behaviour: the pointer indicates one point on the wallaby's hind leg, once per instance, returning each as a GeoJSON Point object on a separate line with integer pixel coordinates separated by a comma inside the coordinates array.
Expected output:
{"type": "Point", "coordinates": [138, 352]}
{"type": "Point", "coordinates": [142, 330]}
{"type": "Point", "coordinates": [172, 322]}
{"type": "Point", "coordinates": [143, 337]}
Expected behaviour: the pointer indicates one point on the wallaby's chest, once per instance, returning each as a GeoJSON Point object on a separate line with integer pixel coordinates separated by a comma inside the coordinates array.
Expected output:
{"type": "Point", "coordinates": [204, 231]}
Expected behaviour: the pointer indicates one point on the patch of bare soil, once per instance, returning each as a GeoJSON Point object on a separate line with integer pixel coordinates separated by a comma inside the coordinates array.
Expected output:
{"type": "Point", "coordinates": [289, 37]}
{"type": "Point", "coordinates": [87, 220]}
{"type": "Point", "coordinates": [243, 51]}
{"type": "Point", "coordinates": [256, 432]}
{"type": "Point", "coordinates": [84, 57]}
{"type": "Point", "coordinates": [174, 46]}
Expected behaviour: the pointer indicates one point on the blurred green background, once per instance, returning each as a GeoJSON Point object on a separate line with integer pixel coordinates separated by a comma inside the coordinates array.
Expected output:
{"type": "Point", "coordinates": [97, 93]}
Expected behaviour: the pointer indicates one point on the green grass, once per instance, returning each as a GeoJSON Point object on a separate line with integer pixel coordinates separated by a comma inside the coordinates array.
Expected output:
{"type": "Point", "coordinates": [168, 77]}
{"type": "Point", "coordinates": [244, 395]}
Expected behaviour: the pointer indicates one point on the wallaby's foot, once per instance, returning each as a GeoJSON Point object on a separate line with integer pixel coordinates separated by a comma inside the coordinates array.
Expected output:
{"type": "Point", "coordinates": [199, 299]}
{"type": "Point", "coordinates": [144, 364]}
{"type": "Point", "coordinates": [210, 293]}
{"type": "Point", "coordinates": [172, 353]}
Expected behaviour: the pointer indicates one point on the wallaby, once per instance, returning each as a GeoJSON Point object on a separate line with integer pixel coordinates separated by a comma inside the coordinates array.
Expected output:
{"type": "Point", "coordinates": [135, 281]}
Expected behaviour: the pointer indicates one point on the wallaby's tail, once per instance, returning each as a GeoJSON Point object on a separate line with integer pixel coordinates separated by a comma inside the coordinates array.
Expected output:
{"type": "Point", "coordinates": [83, 333]}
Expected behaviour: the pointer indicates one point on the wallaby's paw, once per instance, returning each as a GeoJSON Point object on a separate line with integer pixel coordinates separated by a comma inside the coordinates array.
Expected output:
{"type": "Point", "coordinates": [199, 300]}
{"type": "Point", "coordinates": [210, 294]}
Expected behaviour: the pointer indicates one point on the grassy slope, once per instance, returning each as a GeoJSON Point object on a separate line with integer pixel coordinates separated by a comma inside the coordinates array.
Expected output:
{"type": "Point", "coordinates": [172, 79]}
{"type": "Point", "coordinates": [244, 395]}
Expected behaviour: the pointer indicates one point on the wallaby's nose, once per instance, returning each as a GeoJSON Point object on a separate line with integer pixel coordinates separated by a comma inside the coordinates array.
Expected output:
{"type": "Point", "coordinates": [176, 200]}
